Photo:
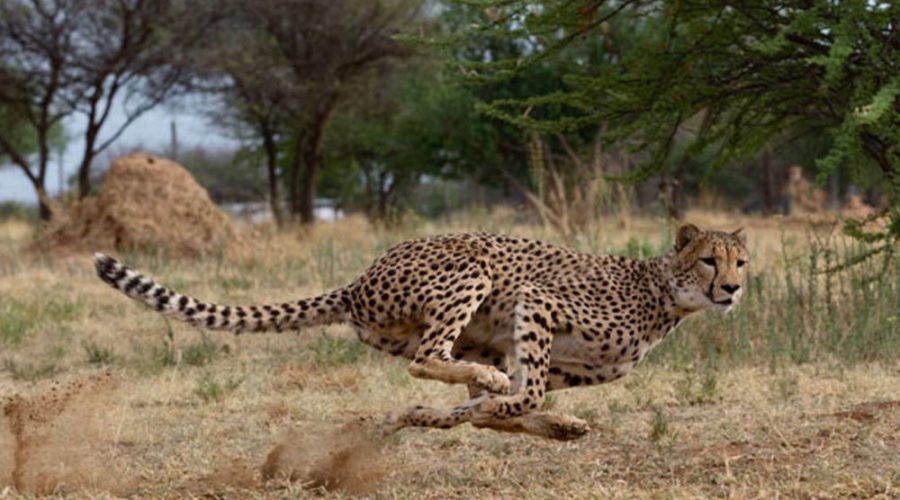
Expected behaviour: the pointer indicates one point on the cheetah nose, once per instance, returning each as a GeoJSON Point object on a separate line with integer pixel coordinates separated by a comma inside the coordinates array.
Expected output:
{"type": "Point", "coordinates": [731, 288]}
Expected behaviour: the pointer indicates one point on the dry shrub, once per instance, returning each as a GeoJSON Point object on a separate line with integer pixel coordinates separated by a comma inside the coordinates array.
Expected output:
{"type": "Point", "coordinates": [53, 440]}
{"type": "Point", "coordinates": [147, 203]}
{"type": "Point", "coordinates": [346, 458]}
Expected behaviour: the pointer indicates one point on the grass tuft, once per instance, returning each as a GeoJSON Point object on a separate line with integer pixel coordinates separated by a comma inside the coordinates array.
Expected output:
{"type": "Point", "coordinates": [97, 355]}
{"type": "Point", "coordinates": [211, 390]}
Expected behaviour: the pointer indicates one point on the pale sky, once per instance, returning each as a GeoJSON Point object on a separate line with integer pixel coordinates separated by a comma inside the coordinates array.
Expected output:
{"type": "Point", "coordinates": [151, 131]}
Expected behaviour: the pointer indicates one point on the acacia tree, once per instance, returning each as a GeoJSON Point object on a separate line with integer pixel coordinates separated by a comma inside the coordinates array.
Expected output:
{"type": "Point", "coordinates": [64, 58]}
{"type": "Point", "coordinates": [727, 78]}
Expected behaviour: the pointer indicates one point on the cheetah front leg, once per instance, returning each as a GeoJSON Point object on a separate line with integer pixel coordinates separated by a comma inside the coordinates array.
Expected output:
{"type": "Point", "coordinates": [536, 315]}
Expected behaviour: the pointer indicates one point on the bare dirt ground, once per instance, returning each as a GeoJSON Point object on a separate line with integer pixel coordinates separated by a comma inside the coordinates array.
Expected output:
{"type": "Point", "coordinates": [103, 397]}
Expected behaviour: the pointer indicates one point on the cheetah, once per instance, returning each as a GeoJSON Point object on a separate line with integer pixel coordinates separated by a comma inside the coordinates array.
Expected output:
{"type": "Point", "coordinates": [511, 318]}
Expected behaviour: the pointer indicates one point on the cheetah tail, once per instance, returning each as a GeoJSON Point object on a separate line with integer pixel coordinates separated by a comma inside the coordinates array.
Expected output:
{"type": "Point", "coordinates": [324, 309]}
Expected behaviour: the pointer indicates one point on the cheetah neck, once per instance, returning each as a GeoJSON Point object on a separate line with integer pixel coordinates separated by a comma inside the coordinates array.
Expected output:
{"type": "Point", "coordinates": [661, 278]}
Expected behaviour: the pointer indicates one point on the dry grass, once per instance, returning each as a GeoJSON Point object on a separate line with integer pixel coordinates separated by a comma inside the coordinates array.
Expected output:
{"type": "Point", "coordinates": [287, 416]}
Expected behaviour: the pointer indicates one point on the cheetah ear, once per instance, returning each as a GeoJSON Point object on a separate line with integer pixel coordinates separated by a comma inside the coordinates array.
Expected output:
{"type": "Point", "coordinates": [686, 234]}
{"type": "Point", "coordinates": [740, 235]}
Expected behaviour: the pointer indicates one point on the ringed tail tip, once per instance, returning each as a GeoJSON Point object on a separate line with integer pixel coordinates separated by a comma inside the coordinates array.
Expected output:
{"type": "Point", "coordinates": [108, 268]}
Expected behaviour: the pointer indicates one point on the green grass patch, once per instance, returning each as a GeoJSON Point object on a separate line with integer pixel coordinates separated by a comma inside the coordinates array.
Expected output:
{"type": "Point", "coordinates": [328, 350]}
{"type": "Point", "coordinates": [96, 354]}
{"type": "Point", "coordinates": [211, 390]}
{"type": "Point", "coordinates": [18, 318]}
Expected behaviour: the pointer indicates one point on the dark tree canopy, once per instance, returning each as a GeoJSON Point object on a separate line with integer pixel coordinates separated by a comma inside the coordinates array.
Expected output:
{"type": "Point", "coordinates": [725, 78]}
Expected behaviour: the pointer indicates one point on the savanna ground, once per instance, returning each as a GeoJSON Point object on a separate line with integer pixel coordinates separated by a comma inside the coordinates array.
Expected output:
{"type": "Point", "coordinates": [796, 393]}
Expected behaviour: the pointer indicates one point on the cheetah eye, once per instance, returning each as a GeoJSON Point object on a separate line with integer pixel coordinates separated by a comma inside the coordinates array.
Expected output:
{"type": "Point", "coordinates": [740, 263]}
{"type": "Point", "coordinates": [709, 261]}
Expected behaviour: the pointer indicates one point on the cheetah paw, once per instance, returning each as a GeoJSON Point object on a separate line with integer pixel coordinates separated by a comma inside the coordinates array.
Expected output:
{"type": "Point", "coordinates": [492, 380]}
{"type": "Point", "coordinates": [392, 423]}
{"type": "Point", "coordinates": [568, 429]}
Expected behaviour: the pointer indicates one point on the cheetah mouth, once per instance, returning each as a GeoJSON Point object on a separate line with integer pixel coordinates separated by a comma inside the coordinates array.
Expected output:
{"type": "Point", "coordinates": [725, 302]}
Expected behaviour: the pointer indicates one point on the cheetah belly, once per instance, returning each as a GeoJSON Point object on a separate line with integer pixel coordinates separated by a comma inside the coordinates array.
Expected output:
{"type": "Point", "coordinates": [496, 337]}
{"type": "Point", "coordinates": [576, 362]}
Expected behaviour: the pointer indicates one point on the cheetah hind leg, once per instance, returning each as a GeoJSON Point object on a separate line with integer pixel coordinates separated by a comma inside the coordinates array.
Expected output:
{"type": "Point", "coordinates": [543, 424]}
{"type": "Point", "coordinates": [424, 416]}
{"type": "Point", "coordinates": [548, 425]}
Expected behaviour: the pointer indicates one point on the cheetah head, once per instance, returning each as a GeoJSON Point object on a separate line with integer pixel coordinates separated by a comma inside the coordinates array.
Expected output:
{"type": "Point", "coordinates": [709, 268]}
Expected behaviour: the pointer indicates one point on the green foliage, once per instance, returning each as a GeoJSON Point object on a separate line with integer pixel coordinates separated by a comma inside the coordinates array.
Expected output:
{"type": "Point", "coordinates": [661, 434]}
{"type": "Point", "coordinates": [14, 210]}
{"type": "Point", "coordinates": [18, 318]}
{"type": "Point", "coordinates": [694, 391]}
{"type": "Point", "coordinates": [211, 390]}
{"type": "Point", "coordinates": [203, 352]}
{"type": "Point", "coordinates": [97, 355]}
{"type": "Point", "coordinates": [15, 322]}
{"type": "Point", "coordinates": [416, 125]}
{"type": "Point", "coordinates": [704, 77]}
{"type": "Point", "coordinates": [164, 355]}
{"type": "Point", "coordinates": [229, 177]}
{"type": "Point", "coordinates": [330, 351]}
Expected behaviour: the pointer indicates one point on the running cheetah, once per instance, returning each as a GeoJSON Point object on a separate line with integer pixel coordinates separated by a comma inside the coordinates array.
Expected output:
{"type": "Point", "coordinates": [509, 317]}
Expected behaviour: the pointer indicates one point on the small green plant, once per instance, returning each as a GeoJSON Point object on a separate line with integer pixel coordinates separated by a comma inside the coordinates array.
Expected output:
{"type": "Point", "coordinates": [97, 355]}
{"type": "Point", "coordinates": [203, 352]}
{"type": "Point", "coordinates": [661, 434]}
{"type": "Point", "coordinates": [692, 391]}
{"type": "Point", "coordinates": [15, 321]}
{"type": "Point", "coordinates": [18, 318]}
{"type": "Point", "coordinates": [636, 249]}
{"type": "Point", "coordinates": [234, 283]}
{"type": "Point", "coordinates": [210, 390]}
{"type": "Point", "coordinates": [328, 350]}
{"type": "Point", "coordinates": [659, 426]}
{"type": "Point", "coordinates": [709, 386]}
{"type": "Point", "coordinates": [165, 355]}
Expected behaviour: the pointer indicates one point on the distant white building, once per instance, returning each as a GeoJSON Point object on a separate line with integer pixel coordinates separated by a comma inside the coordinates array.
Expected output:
{"type": "Point", "coordinates": [325, 210]}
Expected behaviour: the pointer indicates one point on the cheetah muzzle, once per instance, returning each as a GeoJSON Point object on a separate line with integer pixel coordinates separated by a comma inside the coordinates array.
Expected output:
{"type": "Point", "coordinates": [509, 317]}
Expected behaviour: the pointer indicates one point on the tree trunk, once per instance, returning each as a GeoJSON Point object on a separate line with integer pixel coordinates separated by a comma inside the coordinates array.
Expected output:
{"type": "Point", "coordinates": [272, 171]}
{"type": "Point", "coordinates": [44, 208]}
{"type": "Point", "coordinates": [296, 177]}
{"type": "Point", "coordinates": [309, 157]}
{"type": "Point", "coordinates": [768, 187]}
{"type": "Point", "coordinates": [306, 205]}
{"type": "Point", "coordinates": [383, 193]}
{"type": "Point", "coordinates": [84, 175]}
{"type": "Point", "coordinates": [84, 170]}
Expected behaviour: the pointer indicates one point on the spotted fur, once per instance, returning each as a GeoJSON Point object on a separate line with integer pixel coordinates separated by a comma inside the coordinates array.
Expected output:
{"type": "Point", "coordinates": [509, 317]}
